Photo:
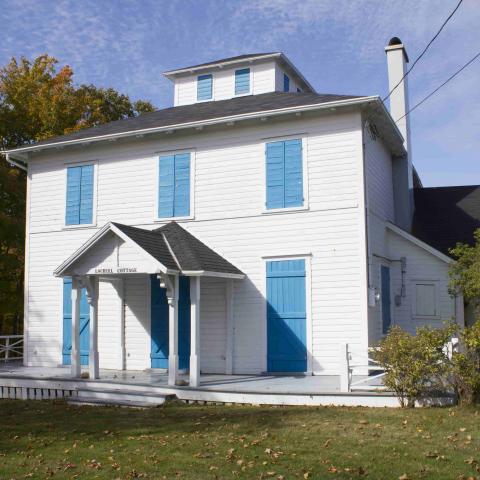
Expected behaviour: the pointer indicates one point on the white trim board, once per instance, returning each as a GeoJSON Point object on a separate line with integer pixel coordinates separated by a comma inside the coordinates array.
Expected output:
{"type": "Point", "coordinates": [419, 243]}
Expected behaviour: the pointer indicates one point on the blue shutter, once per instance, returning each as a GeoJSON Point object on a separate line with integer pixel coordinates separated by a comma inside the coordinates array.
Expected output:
{"type": "Point", "coordinates": [242, 81]}
{"type": "Point", "coordinates": [182, 185]}
{"type": "Point", "coordinates": [79, 208]}
{"type": "Point", "coordinates": [72, 211]}
{"type": "Point", "coordinates": [293, 174]}
{"type": "Point", "coordinates": [86, 195]}
{"type": "Point", "coordinates": [284, 174]}
{"type": "Point", "coordinates": [286, 83]}
{"type": "Point", "coordinates": [204, 87]}
{"type": "Point", "coordinates": [275, 175]}
{"type": "Point", "coordinates": [166, 189]}
{"type": "Point", "coordinates": [67, 324]}
{"type": "Point", "coordinates": [174, 186]}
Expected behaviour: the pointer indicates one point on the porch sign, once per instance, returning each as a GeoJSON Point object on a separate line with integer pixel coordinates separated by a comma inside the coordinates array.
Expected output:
{"type": "Point", "coordinates": [67, 324]}
{"type": "Point", "coordinates": [286, 316]}
{"type": "Point", "coordinates": [159, 324]}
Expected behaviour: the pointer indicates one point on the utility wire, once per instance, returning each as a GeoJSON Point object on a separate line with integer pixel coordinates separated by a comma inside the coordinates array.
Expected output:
{"type": "Point", "coordinates": [440, 86]}
{"type": "Point", "coordinates": [424, 50]}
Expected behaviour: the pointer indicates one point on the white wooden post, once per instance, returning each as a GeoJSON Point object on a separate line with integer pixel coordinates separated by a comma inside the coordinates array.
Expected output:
{"type": "Point", "coordinates": [119, 286]}
{"type": "Point", "coordinates": [92, 296]}
{"type": "Point", "coordinates": [7, 348]}
{"type": "Point", "coordinates": [194, 331]}
{"type": "Point", "coordinates": [344, 368]}
{"type": "Point", "coordinates": [172, 295]}
{"type": "Point", "coordinates": [76, 368]}
{"type": "Point", "coordinates": [230, 326]}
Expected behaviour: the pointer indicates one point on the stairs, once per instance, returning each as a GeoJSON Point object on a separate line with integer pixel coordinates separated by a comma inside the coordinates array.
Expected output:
{"type": "Point", "coordinates": [116, 397]}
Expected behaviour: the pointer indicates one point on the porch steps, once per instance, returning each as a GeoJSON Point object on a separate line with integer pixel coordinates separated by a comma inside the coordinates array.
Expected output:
{"type": "Point", "coordinates": [98, 396]}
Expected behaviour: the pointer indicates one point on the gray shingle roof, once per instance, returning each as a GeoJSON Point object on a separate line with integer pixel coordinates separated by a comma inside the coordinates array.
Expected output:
{"type": "Point", "coordinates": [190, 253]}
{"type": "Point", "coordinates": [202, 111]}
{"type": "Point", "coordinates": [445, 216]}
{"type": "Point", "coordinates": [247, 56]}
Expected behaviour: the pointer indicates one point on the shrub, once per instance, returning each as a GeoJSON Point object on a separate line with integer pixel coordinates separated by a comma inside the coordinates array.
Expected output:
{"type": "Point", "coordinates": [465, 365]}
{"type": "Point", "coordinates": [414, 365]}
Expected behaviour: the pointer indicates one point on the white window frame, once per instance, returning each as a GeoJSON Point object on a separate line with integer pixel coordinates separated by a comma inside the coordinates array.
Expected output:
{"type": "Point", "coordinates": [196, 87]}
{"type": "Point", "coordinates": [306, 206]}
{"type": "Point", "coordinates": [165, 153]}
{"type": "Point", "coordinates": [94, 200]}
{"type": "Point", "coordinates": [435, 284]}
{"type": "Point", "coordinates": [250, 82]}
{"type": "Point", "coordinates": [308, 303]}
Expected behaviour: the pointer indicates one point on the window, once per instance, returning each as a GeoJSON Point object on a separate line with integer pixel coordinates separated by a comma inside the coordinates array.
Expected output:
{"type": "Point", "coordinates": [79, 204]}
{"type": "Point", "coordinates": [242, 81]}
{"type": "Point", "coordinates": [286, 83]}
{"type": "Point", "coordinates": [174, 186]}
{"type": "Point", "coordinates": [284, 174]}
{"type": "Point", "coordinates": [425, 299]}
{"type": "Point", "coordinates": [204, 87]}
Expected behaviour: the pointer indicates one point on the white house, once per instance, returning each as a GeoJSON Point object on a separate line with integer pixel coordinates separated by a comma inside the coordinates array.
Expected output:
{"type": "Point", "coordinates": [256, 226]}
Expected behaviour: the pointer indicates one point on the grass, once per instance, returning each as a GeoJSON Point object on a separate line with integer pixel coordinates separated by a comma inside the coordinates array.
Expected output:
{"type": "Point", "coordinates": [55, 440]}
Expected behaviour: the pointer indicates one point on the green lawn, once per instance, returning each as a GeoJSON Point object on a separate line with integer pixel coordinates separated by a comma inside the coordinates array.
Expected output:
{"type": "Point", "coordinates": [52, 439]}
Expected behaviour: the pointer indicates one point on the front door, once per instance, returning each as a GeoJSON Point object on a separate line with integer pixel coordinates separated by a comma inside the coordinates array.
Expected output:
{"type": "Point", "coordinates": [286, 316]}
{"type": "Point", "coordinates": [159, 324]}
{"type": "Point", "coordinates": [386, 306]}
{"type": "Point", "coordinates": [67, 324]}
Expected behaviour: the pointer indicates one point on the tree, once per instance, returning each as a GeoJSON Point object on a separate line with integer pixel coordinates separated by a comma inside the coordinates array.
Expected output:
{"type": "Point", "coordinates": [465, 272]}
{"type": "Point", "coordinates": [38, 100]}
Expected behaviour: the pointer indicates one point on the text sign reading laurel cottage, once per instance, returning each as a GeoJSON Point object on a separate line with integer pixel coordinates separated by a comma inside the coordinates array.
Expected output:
{"type": "Point", "coordinates": [117, 270]}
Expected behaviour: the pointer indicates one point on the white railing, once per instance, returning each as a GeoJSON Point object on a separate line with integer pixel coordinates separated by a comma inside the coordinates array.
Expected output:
{"type": "Point", "coordinates": [355, 365]}
{"type": "Point", "coordinates": [11, 347]}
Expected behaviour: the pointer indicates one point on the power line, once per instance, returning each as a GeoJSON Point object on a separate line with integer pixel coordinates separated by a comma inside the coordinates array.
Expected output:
{"type": "Point", "coordinates": [424, 50]}
{"type": "Point", "coordinates": [440, 86]}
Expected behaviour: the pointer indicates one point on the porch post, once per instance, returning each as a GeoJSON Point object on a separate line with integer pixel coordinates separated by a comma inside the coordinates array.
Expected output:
{"type": "Point", "coordinates": [92, 296]}
{"type": "Point", "coordinates": [230, 326]}
{"type": "Point", "coordinates": [172, 295]}
{"type": "Point", "coordinates": [195, 331]}
{"type": "Point", "coordinates": [76, 368]}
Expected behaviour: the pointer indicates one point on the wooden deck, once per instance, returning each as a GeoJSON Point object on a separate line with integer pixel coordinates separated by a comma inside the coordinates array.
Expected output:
{"type": "Point", "coordinates": [17, 381]}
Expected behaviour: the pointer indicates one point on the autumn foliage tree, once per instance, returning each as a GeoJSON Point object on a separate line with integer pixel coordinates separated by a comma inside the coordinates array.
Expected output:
{"type": "Point", "coordinates": [38, 100]}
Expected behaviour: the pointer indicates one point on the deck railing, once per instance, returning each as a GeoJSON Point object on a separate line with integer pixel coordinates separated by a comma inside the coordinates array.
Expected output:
{"type": "Point", "coordinates": [11, 347]}
{"type": "Point", "coordinates": [354, 364]}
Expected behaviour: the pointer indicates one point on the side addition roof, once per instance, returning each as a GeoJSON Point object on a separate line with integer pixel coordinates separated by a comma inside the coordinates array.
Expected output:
{"type": "Point", "coordinates": [445, 216]}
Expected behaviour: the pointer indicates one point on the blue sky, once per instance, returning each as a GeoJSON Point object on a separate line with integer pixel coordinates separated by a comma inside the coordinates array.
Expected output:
{"type": "Point", "coordinates": [338, 45]}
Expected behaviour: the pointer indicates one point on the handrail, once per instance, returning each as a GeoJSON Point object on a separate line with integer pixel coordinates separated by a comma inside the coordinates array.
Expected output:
{"type": "Point", "coordinates": [11, 347]}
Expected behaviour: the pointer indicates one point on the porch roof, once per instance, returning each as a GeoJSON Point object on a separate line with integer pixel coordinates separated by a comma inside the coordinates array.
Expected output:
{"type": "Point", "coordinates": [170, 246]}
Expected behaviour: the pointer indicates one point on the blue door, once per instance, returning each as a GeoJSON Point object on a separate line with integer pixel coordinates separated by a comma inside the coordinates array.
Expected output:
{"type": "Point", "coordinates": [159, 324]}
{"type": "Point", "coordinates": [286, 316]}
{"type": "Point", "coordinates": [67, 324]}
{"type": "Point", "coordinates": [386, 308]}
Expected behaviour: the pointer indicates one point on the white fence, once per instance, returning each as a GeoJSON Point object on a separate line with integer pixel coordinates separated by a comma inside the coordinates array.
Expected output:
{"type": "Point", "coordinates": [11, 347]}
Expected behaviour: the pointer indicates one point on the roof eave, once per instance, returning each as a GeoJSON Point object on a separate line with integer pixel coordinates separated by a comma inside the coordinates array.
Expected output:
{"type": "Point", "coordinates": [173, 73]}
{"type": "Point", "coordinates": [19, 153]}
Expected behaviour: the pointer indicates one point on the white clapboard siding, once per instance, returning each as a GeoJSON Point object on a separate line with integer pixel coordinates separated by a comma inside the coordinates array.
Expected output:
{"type": "Point", "coordinates": [229, 217]}
{"type": "Point", "coordinates": [262, 80]}
{"type": "Point", "coordinates": [423, 266]}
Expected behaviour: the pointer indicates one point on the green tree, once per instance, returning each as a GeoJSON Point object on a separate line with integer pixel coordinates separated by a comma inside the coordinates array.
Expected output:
{"type": "Point", "coordinates": [38, 100]}
{"type": "Point", "coordinates": [465, 272]}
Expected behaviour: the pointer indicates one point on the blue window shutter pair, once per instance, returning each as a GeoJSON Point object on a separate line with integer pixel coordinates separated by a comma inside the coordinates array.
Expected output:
{"type": "Point", "coordinates": [242, 81]}
{"type": "Point", "coordinates": [174, 186]}
{"type": "Point", "coordinates": [204, 87]}
{"type": "Point", "coordinates": [79, 208]}
{"type": "Point", "coordinates": [284, 171]}
{"type": "Point", "coordinates": [286, 83]}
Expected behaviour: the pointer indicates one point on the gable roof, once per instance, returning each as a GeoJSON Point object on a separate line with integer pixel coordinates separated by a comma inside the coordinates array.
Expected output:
{"type": "Point", "coordinates": [171, 245]}
{"type": "Point", "coordinates": [445, 216]}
